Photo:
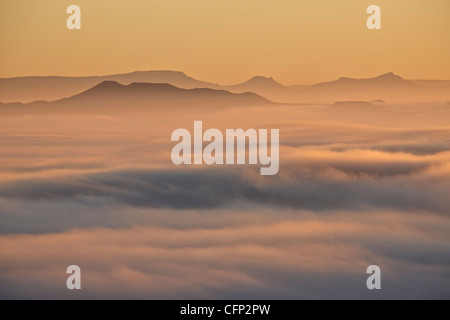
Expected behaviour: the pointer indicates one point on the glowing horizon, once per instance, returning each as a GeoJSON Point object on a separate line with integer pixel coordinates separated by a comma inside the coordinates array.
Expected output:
{"type": "Point", "coordinates": [296, 42]}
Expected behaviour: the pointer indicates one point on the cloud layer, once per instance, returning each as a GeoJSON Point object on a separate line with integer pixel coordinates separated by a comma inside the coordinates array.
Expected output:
{"type": "Point", "coordinates": [304, 256]}
{"type": "Point", "coordinates": [107, 198]}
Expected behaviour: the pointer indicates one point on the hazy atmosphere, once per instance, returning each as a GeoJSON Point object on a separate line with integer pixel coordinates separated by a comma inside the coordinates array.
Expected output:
{"type": "Point", "coordinates": [294, 41]}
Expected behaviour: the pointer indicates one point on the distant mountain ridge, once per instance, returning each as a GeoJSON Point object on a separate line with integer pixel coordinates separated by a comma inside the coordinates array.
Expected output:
{"type": "Point", "coordinates": [388, 86]}
{"type": "Point", "coordinates": [356, 107]}
{"type": "Point", "coordinates": [111, 97]}
{"type": "Point", "coordinates": [27, 89]}
{"type": "Point", "coordinates": [384, 79]}
{"type": "Point", "coordinates": [258, 82]}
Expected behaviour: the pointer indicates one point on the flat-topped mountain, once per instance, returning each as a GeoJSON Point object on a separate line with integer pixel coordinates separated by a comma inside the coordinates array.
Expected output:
{"type": "Point", "coordinates": [111, 97]}
{"type": "Point", "coordinates": [27, 89]}
{"type": "Point", "coordinates": [356, 107]}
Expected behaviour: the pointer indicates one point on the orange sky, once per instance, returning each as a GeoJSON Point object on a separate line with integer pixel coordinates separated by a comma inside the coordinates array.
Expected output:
{"type": "Point", "coordinates": [295, 41]}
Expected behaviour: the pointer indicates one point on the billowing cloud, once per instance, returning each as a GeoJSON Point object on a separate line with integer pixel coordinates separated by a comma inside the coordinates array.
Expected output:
{"type": "Point", "coordinates": [107, 197]}
{"type": "Point", "coordinates": [306, 256]}
{"type": "Point", "coordinates": [316, 180]}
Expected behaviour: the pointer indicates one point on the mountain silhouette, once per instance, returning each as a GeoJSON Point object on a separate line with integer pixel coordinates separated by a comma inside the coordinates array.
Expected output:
{"type": "Point", "coordinates": [27, 89]}
{"type": "Point", "coordinates": [389, 87]}
{"type": "Point", "coordinates": [354, 106]}
{"type": "Point", "coordinates": [258, 83]}
{"type": "Point", "coordinates": [175, 78]}
{"type": "Point", "coordinates": [387, 79]}
{"type": "Point", "coordinates": [266, 87]}
{"type": "Point", "coordinates": [111, 97]}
